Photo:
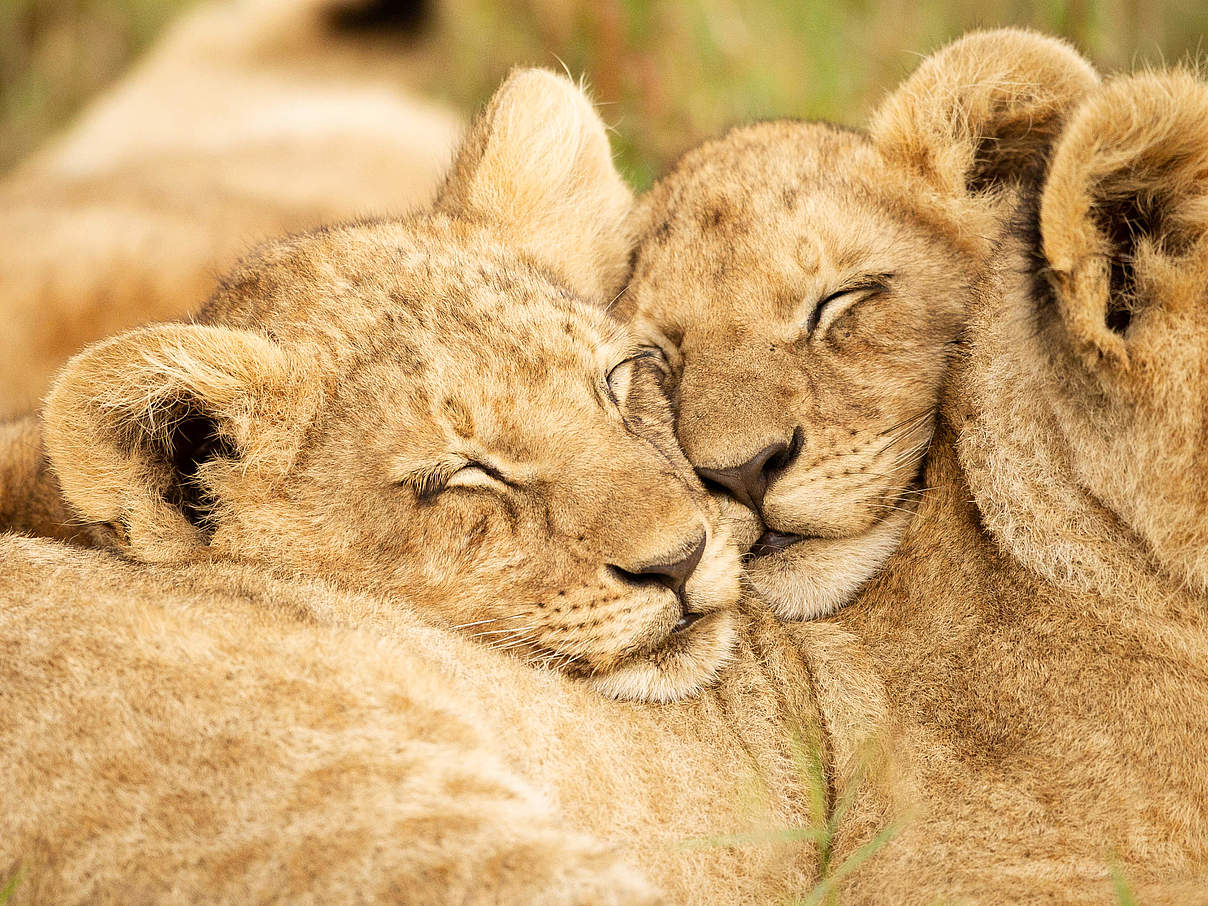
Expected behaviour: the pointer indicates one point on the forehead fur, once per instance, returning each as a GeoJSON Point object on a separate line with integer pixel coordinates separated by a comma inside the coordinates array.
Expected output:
{"type": "Point", "coordinates": [749, 227]}
{"type": "Point", "coordinates": [726, 182]}
{"type": "Point", "coordinates": [433, 295]}
{"type": "Point", "coordinates": [739, 191]}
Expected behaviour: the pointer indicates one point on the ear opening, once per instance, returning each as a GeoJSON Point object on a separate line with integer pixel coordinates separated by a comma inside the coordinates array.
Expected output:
{"type": "Point", "coordinates": [134, 427]}
{"type": "Point", "coordinates": [537, 161]}
{"type": "Point", "coordinates": [1120, 228]}
{"type": "Point", "coordinates": [1125, 201]}
{"type": "Point", "coordinates": [983, 110]}
{"type": "Point", "coordinates": [194, 441]}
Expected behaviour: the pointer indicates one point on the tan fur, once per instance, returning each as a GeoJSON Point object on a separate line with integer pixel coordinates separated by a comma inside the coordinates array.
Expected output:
{"type": "Point", "coordinates": [1041, 721]}
{"type": "Point", "coordinates": [1060, 687]}
{"type": "Point", "coordinates": [205, 734]}
{"type": "Point", "coordinates": [1037, 644]}
{"type": "Point", "coordinates": [249, 119]}
{"type": "Point", "coordinates": [31, 501]}
{"type": "Point", "coordinates": [749, 233]}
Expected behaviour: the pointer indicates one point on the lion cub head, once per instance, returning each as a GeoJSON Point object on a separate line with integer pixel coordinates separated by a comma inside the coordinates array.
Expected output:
{"type": "Point", "coordinates": [1084, 410]}
{"type": "Point", "coordinates": [435, 410]}
{"type": "Point", "coordinates": [805, 286]}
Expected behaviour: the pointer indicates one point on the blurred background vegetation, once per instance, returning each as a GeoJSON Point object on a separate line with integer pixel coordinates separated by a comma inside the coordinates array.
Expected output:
{"type": "Point", "coordinates": [667, 73]}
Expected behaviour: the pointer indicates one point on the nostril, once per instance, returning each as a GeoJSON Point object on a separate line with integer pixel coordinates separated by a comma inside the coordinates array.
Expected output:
{"type": "Point", "coordinates": [785, 457]}
{"type": "Point", "coordinates": [635, 577]}
{"type": "Point", "coordinates": [728, 481]}
{"type": "Point", "coordinates": [755, 470]}
{"type": "Point", "coordinates": [673, 573]}
{"type": "Point", "coordinates": [749, 482]}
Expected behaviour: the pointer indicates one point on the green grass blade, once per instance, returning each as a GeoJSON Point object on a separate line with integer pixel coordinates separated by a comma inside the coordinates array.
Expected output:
{"type": "Point", "coordinates": [1124, 894]}
{"type": "Point", "coordinates": [6, 893]}
{"type": "Point", "coordinates": [829, 884]}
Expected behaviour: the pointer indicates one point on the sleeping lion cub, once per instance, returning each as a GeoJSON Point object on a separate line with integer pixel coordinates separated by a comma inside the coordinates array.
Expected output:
{"type": "Point", "coordinates": [806, 285]}
{"type": "Point", "coordinates": [433, 410]}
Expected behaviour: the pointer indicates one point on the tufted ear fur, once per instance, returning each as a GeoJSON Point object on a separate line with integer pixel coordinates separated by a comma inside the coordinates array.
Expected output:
{"type": "Point", "coordinates": [1086, 384]}
{"type": "Point", "coordinates": [983, 110]}
{"type": "Point", "coordinates": [138, 427]}
{"type": "Point", "coordinates": [537, 161]}
{"type": "Point", "coordinates": [1124, 213]}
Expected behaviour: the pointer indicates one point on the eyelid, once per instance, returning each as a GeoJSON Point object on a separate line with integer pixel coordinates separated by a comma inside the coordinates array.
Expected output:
{"type": "Point", "coordinates": [491, 473]}
{"type": "Point", "coordinates": [642, 352]}
{"type": "Point", "coordinates": [490, 470]}
{"type": "Point", "coordinates": [656, 351]}
{"type": "Point", "coordinates": [429, 480]}
{"type": "Point", "coordinates": [870, 286]}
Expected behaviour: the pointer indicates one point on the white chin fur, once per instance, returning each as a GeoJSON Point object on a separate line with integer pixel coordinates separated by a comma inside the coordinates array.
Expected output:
{"type": "Point", "coordinates": [815, 577]}
{"type": "Point", "coordinates": [678, 669]}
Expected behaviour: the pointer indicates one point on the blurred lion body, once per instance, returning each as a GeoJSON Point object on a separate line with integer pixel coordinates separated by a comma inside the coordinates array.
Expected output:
{"type": "Point", "coordinates": [247, 120]}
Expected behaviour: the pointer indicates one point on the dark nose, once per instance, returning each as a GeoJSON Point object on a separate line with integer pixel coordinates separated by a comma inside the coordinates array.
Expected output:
{"type": "Point", "coordinates": [749, 482]}
{"type": "Point", "coordinates": [673, 574]}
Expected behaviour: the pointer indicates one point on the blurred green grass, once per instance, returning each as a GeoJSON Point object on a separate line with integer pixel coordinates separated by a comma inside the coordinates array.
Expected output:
{"type": "Point", "coordinates": [55, 54]}
{"type": "Point", "coordinates": [666, 73]}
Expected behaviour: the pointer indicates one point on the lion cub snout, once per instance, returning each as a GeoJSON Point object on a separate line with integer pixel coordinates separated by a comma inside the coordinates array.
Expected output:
{"type": "Point", "coordinates": [748, 483]}
{"type": "Point", "coordinates": [671, 573]}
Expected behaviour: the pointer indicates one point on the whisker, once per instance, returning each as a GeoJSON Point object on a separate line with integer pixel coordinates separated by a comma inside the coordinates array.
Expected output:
{"type": "Point", "coordinates": [518, 629]}
{"type": "Point", "coordinates": [909, 420]}
{"type": "Point", "coordinates": [511, 635]}
{"type": "Point", "coordinates": [482, 622]}
{"type": "Point", "coordinates": [514, 643]}
{"type": "Point", "coordinates": [608, 307]}
{"type": "Point", "coordinates": [900, 435]}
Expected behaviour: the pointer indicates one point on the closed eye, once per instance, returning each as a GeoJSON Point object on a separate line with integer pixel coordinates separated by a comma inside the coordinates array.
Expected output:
{"type": "Point", "coordinates": [428, 483]}
{"type": "Point", "coordinates": [620, 378]}
{"type": "Point", "coordinates": [476, 475]}
{"type": "Point", "coordinates": [830, 308]}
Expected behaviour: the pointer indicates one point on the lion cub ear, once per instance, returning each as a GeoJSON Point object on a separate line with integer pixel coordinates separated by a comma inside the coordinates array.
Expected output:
{"type": "Point", "coordinates": [983, 110]}
{"type": "Point", "coordinates": [136, 427]}
{"type": "Point", "coordinates": [537, 160]}
{"type": "Point", "coordinates": [1124, 211]}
